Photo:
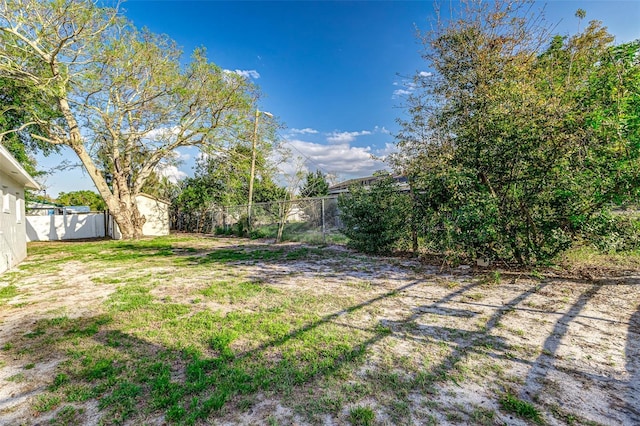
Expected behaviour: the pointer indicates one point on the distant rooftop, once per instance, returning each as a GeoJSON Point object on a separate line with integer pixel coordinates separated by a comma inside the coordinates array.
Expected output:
{"type": "Point", "coordinates": [342, 187]}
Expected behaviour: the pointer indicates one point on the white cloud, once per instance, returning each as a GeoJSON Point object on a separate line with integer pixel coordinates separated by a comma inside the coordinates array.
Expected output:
{"type": "Point", "coordinates": [401, 92]}
{"type": "Point", "coordinates": [345, 137]}
{"type": "Point", "coordinates": [338, 158]}
{"type": "Point", "coordinates": [382, 130]}
{"type": "Point", "coordinates": [305, 131]}
{"type": "Point", "coordinates": [178, 156]}
{"type": "Point", "coordinates": [162, 133]}
{"type": "Point", "coordinates": [245, 73]}
{"type": "Point", "coordinates": [408, 86]}
{"type": "Point", "coordinates": [389, 148]}
{"type": "Point", "coordinates": [170, 172]}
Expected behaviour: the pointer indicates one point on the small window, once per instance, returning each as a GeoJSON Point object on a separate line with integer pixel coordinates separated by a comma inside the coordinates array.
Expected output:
{"type": "Point", "coordinates": [18, 208]}
{"type": "Point", "coordinates": [5, 200]}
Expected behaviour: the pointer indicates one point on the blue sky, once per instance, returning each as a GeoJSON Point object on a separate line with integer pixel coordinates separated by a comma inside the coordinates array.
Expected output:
{"type": "Point", "coordinates": [330, 71]}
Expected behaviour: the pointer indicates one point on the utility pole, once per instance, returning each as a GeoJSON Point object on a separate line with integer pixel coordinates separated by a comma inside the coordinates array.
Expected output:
{"type": "Point", "coordinates": [253, 165]}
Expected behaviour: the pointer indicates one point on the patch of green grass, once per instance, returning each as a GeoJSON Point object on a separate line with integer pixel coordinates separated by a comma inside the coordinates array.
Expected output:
{"type": "Point", "coordinates": [34, 334]}
{"type": "Point", "coordinates": [129, 298]}
{"type": "Point", "coordinates": [482, 416]}
{"type": "Point", "coordinates": [399, 412]}
{"type": "Point", "coordinates": [46, 402]}
{"type": "Point", "coordinates": [520, 408]}
{"type": "Point", "coordinates": [99, 368]}
{"type": "Point", "coordinates": [8, 292]}
{"type": "Point", "coordinates": [77, 392]}
{"type": "Point", "coordinates": [67, 416]}
{"type": "Point", "coordinates": [58, 381]}
{"type": "Point", "coordinates": [16, 378]}
{"type": "Point", "coordinates": [240, 255]}
{"type": "Point", "coordinates": [235, 292]}
{"type": "Point", "coordinates": [260, 254]}
{"type": "Point", "coordinates": [121, 403]}
{"type": "Point", "coordinates": [361, 416]}
{"type": "Point", "coordinates": [303, 253]}
{"type": "Point", "coordinates": [302, 232]}
{"type": "Point", "coordinates": [587, 256]}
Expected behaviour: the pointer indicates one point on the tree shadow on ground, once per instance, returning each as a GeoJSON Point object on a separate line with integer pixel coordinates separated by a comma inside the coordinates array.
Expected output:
{"type": "Point", "coordinates": [632, 352]}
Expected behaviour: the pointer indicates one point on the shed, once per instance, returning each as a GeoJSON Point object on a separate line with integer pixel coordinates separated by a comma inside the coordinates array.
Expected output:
{"type": "Point", "coordinates": [156, 213]}
{"type": "Point", "coordinates": [14, 180]}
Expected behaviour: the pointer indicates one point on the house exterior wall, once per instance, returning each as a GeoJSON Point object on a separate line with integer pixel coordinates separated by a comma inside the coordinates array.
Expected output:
{"type": "Point", "coordinates": [13, 240]}
{"type": "Point", "coordinates": [156, 213]}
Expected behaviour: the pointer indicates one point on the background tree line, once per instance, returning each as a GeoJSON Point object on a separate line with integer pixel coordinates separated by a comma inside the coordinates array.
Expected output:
{"type": "Point", "coordinates": [517, 142]}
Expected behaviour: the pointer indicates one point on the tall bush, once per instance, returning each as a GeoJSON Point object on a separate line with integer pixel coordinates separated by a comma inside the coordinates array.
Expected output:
{"type": "Point", "coordinates": [375, 219]}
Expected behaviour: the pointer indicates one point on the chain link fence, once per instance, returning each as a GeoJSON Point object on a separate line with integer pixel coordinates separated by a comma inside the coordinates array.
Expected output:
{"type": "Point", "coordinates": [307, 220]}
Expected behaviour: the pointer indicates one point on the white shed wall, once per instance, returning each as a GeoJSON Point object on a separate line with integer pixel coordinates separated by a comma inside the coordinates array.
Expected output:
{"type": "Point", "coordinates": [156, 213]}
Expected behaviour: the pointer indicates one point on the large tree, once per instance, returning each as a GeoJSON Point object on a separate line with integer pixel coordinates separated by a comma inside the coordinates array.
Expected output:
{"type": "Point", "coordinates": [126, 101]}
{"type": "Point", "coordinates": [82, 198]}
{"type": "Point", "coordinates": [515, 139]}
{"type": "Point", "coordinates": [18, 102]}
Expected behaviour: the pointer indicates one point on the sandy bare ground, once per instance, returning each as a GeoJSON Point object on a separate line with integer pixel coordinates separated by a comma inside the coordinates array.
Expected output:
{"type": "Point", "coordinates": [569, 343]}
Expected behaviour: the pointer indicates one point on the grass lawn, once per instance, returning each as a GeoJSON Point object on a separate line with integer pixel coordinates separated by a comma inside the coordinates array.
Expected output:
{"type": "Point", "coordinates": [197, 330]}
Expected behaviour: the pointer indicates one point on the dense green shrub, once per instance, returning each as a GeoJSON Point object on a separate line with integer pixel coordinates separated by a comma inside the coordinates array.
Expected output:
{"type": "Point", "coordinates": [376, 218]}
{"type": "Point", "coordinates": [612, 233]}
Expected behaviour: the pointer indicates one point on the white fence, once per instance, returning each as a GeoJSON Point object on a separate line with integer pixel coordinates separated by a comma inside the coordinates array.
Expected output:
{"type": "Point", "coordinates": [70, 226]}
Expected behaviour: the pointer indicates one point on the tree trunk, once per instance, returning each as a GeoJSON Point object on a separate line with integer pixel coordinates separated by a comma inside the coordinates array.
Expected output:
{"type": "Point", "coordinates": [128, 218]}
{"type": "Point", "coordinates": [283, 212]}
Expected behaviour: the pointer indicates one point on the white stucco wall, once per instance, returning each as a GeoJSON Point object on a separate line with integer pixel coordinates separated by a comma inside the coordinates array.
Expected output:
{"type": "Point", "coordinates": [156, 213]}
{"type": "Point", "coordinates": [13, 243]}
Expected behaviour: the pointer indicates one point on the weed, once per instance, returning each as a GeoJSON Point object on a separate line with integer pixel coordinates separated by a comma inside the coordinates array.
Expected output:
{"type": "Point", "coordinates": [60, 379]}
{"type": "Point", "coordinates": [78, 393]}
{"type": "Point", "coordinates": [520, 408]}
{"type": "Point", "coordinates": [67, 416]}
{"type": "Point", "coordinates": [98, 368]}
{"type": "Point", "coordinates": [34, 334]}
{"type": "Point", "coordinates": [46, 402]}
{"type": "Point", "coordinates": [399, 411]}
{"type": "Point", "coordinates": [454, 416]}
{"type": "Point", "coordinates": [492, 278]}
{"type": "Point", "coordinates": [8, 292]}
{"type": "Point", "coordinates": [383, 330]}
{"type": "Point", "coordinates": [483, 416]}
{"type": "Point", "coordinates": [16, 378]}
{"type": "Point", "coordinates": [30, 366]}
{"type": "Point", "coordinates": [122, 401]}
{"type": "Point", "coordinates": [361, 416]}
